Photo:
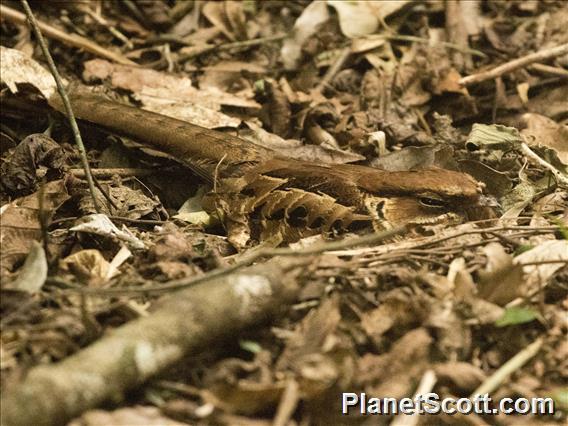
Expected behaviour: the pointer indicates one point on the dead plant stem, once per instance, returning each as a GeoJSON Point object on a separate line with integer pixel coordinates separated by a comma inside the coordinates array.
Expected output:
{"type": "Point", "coordinates": [494, 381]}
{"type": "Point", "coordinates": [246, 261]}
{"type": "Point", "coordinates": [65, 99]}
{"type": "Point", "coordinates": [510, 66]}
{"type": "Point", "coordinates": [74, 40]}
{"type": "Point", "coordinates": [560, 177]}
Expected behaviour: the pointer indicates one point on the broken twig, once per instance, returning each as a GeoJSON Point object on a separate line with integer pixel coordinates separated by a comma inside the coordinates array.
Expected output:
{"type": "Point", "coordinates": [560, 177]}
{"type": "Point", "coordinates": [507, 67]}
{"type": "Point", "coordinates": [493, 382]}
{"type": "Point", "coordinates": [74, 40]}
{"type": "Point", "coordinates": [64, 98]}
{"type": "Point", "coordinates": [245, 261]}
{"type": "Point", "coordinates": [181, 325]}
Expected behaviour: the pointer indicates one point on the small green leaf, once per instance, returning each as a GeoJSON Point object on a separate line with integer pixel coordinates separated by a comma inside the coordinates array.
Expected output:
{"type": "Point", "coordinates": [516, 315]}
{"type": "Point", "coordinates": [260, 87]}
{"type": "Point", "coordinates": [250, 7]}
{"type": "Point", "coordinates": [562, 228]}
{"type": "Point", "coordinates": [249, 345]}
{"type": "Point", "coordinates": [523, 248]}
{"type": "Point", "coordinates": [560, 397]}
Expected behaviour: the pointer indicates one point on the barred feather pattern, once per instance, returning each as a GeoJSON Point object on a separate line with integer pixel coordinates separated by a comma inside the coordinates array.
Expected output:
{"type": "Point", "coordinates": [265, 206]}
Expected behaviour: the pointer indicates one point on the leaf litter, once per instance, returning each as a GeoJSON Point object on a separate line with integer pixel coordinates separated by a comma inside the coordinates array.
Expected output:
{"type": "Point", "coordinates": [455, 303]}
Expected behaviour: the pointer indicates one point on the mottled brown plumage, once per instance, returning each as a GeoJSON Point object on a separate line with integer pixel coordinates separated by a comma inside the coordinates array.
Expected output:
{"type": "Point", "coordinates": [258, 186]}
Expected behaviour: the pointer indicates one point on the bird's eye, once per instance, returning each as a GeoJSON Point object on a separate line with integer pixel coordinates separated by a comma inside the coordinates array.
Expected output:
{"type": "Point", "coordinates": [432, 202]}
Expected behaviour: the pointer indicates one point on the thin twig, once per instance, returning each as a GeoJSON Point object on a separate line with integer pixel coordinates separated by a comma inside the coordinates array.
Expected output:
{"type": "Point", "coordinates": [74, 40]}
{"type": "Point", "coordinates": [457, 33]}
{"type": "Point", "coordinates": [245, 261]}
{"type": "Point", "coordinates": [419, 248]}
{"type": "Point", "coordinates": [216, 173]}
{"type": "Point", "coordinates": [138, 221]}
{"type": "Point", "coordinates": [335, 68]}
{"type": "Point", "coordinates": [112, 29]}
{"type": "Point", "coordinates": [507, 67]}
{"type": "Point", "coordinates": [427, 383]}
{"type": "Point", "coordinates": [404, 37]}
{"type": "Point", "coordinates": [429, 243]}
{"type": "Point", "coordinates": [486, 230]}
{"type": "Point", "coordinates": [117, 218]}
{"type": "Point", "coordinates": [121, 172]}
{"type": "Point", "coordinates": [65, 99]}
{"type": "Point", "coordinates": [105, 194]}
{"type": "Point", "coordinates": [133, 8]}
{"type": "Point", "coordinates": [506, 239]}
{"type": "Point", "coordinates": [180, 9]}
{"type": "Point", "coordinates": [43, 218]}
{"type": "Point", "coordinates": [543, 262]}
{"type": "Point", "coordinates": [560, 177]}
{"type": "Point", "coordinates": [236, 44]}
{"type": "Point", "coordinates": [508, 368]}
{"type": "Point", "coordinates": [550, 70]}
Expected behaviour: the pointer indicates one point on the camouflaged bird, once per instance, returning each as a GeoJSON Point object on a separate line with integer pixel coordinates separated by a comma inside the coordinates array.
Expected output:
{"type": "Point", "coordinates": [260, 193]}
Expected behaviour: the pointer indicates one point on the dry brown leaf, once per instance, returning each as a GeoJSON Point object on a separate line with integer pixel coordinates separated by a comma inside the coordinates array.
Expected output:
{"type": "Point", "coordinates": [450, 83]}
{"type": "Point", "coordinates": [138, 415]}
{"type": "Point", "coordinates": [312, 17]}
{"type": "Point", "coordinates": [15, 68]}
{"type": "Point", "coordinates": [466, 377]}
{"type": "Point", "coordinates": [236, 17]}
{"type": "Point", "coordinates": [215, 12]}
{"type": "Point", "coordinates": [395, 373]}
{"type": "Point", "coordinates": [20, 222]}
{"type": "Point", "coordinates": [501, 280]}
{"type": "Point", "coordinates": [544, 131]}
{"type": "Point", "coordinates": [398, 310]}
{"type": "Point", "coordinates": [312, 333]}
{"type": "Point", "coordinates": [296, 149]}
{"type": "Point", "coordinates": [228, 75]}
{"type": "Point", "coordinates": [19, 171]}
{"type": "Point", "coordinates": [276, 110]}
{"type": "Point", "coordinates": [496, 183]}
{"type": "Point", "coordinates": [360, 18]}
{"type": "Point", "coordinates": [155, 88]}
{"type": "Point", "coordinates": [416, 158]}
{"type": "Point", "coordinates": [461, 280]}
{"type": "Point", "coordinates": [550, 204]}
{"type": "Point", "coordinates": [315, 353]}
{"type": "Point", "coordinates": [89, 266]}
{"type": "Point", "coordinates": [131, 203]}
{"type": "Point", "coordinates": [169, 270]}
{"type": "Point", "coordinates": [32, 275]}
{"type": "Point", "coordinates": [247, 397]}
{"type": "Point", "coordinates": [537, 276]}
{"type": "Point", "coordinates": [99, 224]}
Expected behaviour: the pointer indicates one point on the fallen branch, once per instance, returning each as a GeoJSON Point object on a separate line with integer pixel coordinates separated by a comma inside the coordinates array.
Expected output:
{"type": "Point", "coordinates": [74, 40]}
{"type": "Point", "coordinates": [183, 324]}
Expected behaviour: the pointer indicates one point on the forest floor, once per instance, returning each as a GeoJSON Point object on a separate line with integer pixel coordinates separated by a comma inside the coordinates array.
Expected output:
{"type": "Point", "coordinates": [138, 307]}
